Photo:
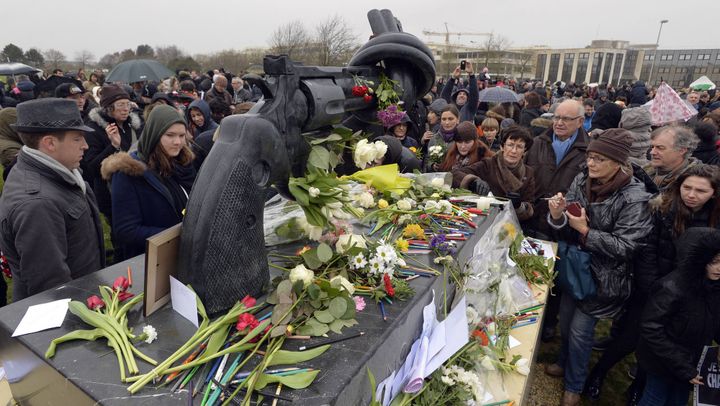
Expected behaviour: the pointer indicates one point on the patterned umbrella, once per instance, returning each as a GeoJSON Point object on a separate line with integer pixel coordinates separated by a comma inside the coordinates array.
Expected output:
{"type": "Point", "coordinates": [668, 107]}
{"type": "Point", "coordinates": [498, 95]}
{"type": "Point", "coordinates": [139, 70]}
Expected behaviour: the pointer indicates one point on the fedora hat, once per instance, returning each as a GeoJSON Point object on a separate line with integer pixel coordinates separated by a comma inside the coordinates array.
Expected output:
{"type": "Point", "coordinates": [48, 115]}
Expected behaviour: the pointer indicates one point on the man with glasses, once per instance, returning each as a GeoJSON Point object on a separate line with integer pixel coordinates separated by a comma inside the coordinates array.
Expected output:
{"type": "Point", "coordinates": [116, 127]}
{"type": "Point", "coordinates": [556, 156]}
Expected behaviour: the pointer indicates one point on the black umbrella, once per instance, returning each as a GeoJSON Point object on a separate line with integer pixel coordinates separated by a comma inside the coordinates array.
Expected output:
{"type": "Point", "coordinates": [15, 68]}
{"type": "Point", "coordinates": [139, 70]}
{"type": "Point", "coordinates": [47, 87]}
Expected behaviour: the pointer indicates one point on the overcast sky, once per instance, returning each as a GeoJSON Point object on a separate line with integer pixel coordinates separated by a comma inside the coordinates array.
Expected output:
{"type": "Point", "coordinates": [203, 27]}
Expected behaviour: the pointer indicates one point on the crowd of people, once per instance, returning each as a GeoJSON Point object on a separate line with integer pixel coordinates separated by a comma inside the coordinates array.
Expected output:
{"type": "Point", "coordinates": [580, 164]}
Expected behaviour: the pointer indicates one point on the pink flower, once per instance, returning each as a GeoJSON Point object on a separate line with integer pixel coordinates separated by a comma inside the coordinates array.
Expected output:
{"type": "Point", "coordinates": [121, 284]}
{"type": "Point", "coordinates": [248, 301]}
{"type": "Point", "coordinates": [94, 302]}
{"type": "Point", "coordinates": [359, 303]}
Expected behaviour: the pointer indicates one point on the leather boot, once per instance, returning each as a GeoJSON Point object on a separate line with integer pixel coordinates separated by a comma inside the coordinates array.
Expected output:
{"type": "Point", "coordinates": [570, 399]}
{"type": "Point", "coordinates": [555, 370]}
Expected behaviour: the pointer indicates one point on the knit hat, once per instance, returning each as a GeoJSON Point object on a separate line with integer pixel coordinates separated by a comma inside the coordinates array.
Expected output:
{"type": "Point", "coordinates": [466, 131]}
{"type": "Point", "coordinates": [437, 106]}
{"type": "Point", "coordinates": [613, 143]}
{"type": "Point", "coordinates": [607, 116]}
{"type": "Point", "coordinates": [112, 93]}
{"type": "Point", "coordinates": [160, 119]}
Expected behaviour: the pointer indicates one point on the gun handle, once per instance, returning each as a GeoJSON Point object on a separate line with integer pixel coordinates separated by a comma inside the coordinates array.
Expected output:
{"type": "Point", "coordinates": [222, 249]}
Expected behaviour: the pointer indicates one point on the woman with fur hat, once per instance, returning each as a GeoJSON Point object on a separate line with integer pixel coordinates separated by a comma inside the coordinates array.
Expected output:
{"type": "Point", "coordinates": [150, 187]}
{"type": "Point", "coordinates": [116, 127]}
{"type": "Point", "coordinates": [611, 221]}
{"type": "Point", "coordinates": [681, 317]}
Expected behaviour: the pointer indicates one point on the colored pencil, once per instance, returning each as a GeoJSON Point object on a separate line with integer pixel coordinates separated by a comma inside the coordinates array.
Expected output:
{"type": "Point", "coordinates": [382, 311]}
{"type": "Point", "coordinates": [335, 340]}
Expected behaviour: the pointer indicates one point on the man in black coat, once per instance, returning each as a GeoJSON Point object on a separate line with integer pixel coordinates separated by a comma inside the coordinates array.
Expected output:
{"type": "Point", "coordinates": [50, 230]}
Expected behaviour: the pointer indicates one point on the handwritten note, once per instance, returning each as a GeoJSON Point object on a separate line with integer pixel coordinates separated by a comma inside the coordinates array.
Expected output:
{"type": "Point", "coordinates": [183, 301]}
{"type": "Point", "coordinates": [42, 317]}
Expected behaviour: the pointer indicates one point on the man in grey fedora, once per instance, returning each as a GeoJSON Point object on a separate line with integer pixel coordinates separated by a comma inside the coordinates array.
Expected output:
{"type": "Point", "coordinates": [50, 230]}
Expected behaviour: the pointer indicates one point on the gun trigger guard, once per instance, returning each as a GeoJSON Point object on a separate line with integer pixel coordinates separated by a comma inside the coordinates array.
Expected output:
{"type": "Point", "coordinates": [258, 81]}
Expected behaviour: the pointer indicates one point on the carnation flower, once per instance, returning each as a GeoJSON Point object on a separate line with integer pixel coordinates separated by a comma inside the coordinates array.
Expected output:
{"type": "Point", "coordinates": [300, 273]}
{"type": "Point", "coordinates": [359, 303]}
{"type": "Point", "coordinates": [150, 334]}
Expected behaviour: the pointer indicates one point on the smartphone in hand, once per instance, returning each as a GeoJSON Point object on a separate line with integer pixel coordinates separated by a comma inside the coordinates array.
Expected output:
{"type": "Point", "coordinates": [575, 209]}
{"type": "Point", "coordinates": [462, 65]}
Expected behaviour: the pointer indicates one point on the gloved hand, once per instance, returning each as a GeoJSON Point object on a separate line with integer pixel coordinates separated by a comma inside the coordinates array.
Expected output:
{"type": "Point", "coordinates": [515, 199]}
{"type": "Point", "coordinates": [480, 187]}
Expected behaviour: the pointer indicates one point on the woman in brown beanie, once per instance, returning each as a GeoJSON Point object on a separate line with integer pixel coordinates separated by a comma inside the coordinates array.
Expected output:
{"type": "Point", "coordinates": [504, 174]}
{"type": "Point", "coordinates": [611, 219]}
{"type": "Point", "coordinates": [465, 150]}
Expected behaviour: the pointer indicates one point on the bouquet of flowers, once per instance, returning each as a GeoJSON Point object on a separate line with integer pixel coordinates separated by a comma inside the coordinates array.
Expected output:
{"type": "Point", "coordinates": [436, 153]}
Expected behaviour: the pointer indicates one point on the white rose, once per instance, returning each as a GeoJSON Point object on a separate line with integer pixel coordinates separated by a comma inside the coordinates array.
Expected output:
{"type": "Point", "coordinates": [404, 205]}
{"type": "Point", "coordinates": [364, 153]}
{"type": "Point", "coordinates": [437, 182]}
{"type": "Point", "coordinates": [380, 149]}
{"type": "Point", "coordinates": [431, 205]}
{"type": "Point", "coordinates": [313, 232]}
{"type": "Point", "coordinates": [346, 241]}
{"type": "Point", "coordinates": [365, 200]}
{"type": "Point", "coordinates": [300, 273]}
{"type": "Point", "coordinates": [314, 192]}
{"type": "Point", "coordinates": [340, 282]}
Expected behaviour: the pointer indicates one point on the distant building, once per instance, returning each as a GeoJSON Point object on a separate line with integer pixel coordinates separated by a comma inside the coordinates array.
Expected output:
{"type": "Point", "coordinates": [511, 62]}
{"type": "Point", "coordinates": [619, 61]}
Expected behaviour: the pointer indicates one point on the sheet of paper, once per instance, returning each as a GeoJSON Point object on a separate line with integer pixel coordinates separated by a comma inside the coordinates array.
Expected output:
{"type": "Point", "coordinates": [183, 300]}
{"type": "Point", "coordinates": [548, 251]}
{"type": "Point", "coordinates": [42, 317]}
{"type": "Point", "coordinates": [456, 336]}
{"type": "Point", "coordinates": [417, 375]}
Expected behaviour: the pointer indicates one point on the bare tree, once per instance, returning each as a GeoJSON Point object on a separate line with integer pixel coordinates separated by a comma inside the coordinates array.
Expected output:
{"type": "Point", "coordinates": [334, 41]}
{"type": "Point", "coordinates": [109, 60]}
{"type": "Point", "coordinates": [53, 58]}
{"type": "Point", "coordinates": [494, 45]}
{"type": "Point", "coordinates": [145, 51]}
{"type": "Point", "coordinates": [84, 57]}
{"type": "Point", "coordinates": [165, 54]}
{"type": "Point", "coordinates": [291, 39]}
{"type": "Point", "coordinates": [127, 55]}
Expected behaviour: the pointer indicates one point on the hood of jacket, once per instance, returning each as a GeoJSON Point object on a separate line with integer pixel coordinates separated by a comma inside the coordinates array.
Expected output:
{"type": "Point", "coordinates": [204, 108]}
{"type": "Point", "coordinates": [97, 116]}
{"type": "Point", "coordinates": [541, 122]}
{"type": "Point", "coordinates": [638, 83]}
{"type": "Point", "coordinates": [636, 119]}
{"type": "Point", "coordinates": [124, 163]}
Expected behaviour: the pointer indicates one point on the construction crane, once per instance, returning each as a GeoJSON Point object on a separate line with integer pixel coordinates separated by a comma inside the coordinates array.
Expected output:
{"type": "Point", "coordinates": [447, 35]}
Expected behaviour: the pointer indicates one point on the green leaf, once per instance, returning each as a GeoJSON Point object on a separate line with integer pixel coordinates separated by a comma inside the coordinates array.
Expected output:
{"type": "Point", "coordinates": [284, 290]}
{"type": "Point", "coordinates": [285, 357]}
{"type": "Point", "coordinates": [331, 137]}
{"type": "Point", "coordinates": [300, 194]}
{"type": "Point", "coordinates": [373, 387]}
{"type": "Point", "coordinates": [272, 298]}
{"type": "Point", "coordinates": [279, 311]}
{"type": "Point", "coordinates": [336, 326]}
{"type": "Point", "coordinates": [324, 252]}
{"type": "Point", "coordinates": [350, 312]}
{"type": "Point", "coordinates": [278, 331]}
{"type": "Point", "coordinates": [298, 287]}
{"type": "Point", "coordinates": [313, 291]}
{"type": "Point", "coordinates": [314, 216]}
{"type": "Point", "coordinates": [295, 381]}
{"type": "Point", "coordinates": [311, 259]}
{"type": "Point", "coordinates": [89, 335]}
{"type": "Point", "coordinates": [215, 342]}
{"type": "Point", "coordinates": [313, 327]}
{"type": "Point", "coordinates": [337, 307]}
{"type": "Point", "coordinates": [319, 158]}
{"type": "Point", "coordinates": [324, 316]}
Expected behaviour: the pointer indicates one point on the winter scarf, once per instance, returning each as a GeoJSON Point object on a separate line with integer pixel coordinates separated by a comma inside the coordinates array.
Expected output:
{"type": "Point", "coordinates": [597, 192]}
{"type": "Point", "coordinates": [511, 178]}
{"type": "Point", "coordinates": [72, 177]}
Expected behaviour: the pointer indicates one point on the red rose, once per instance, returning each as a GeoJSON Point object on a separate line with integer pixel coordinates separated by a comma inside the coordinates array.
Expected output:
{"type": "Point", "coordinates": [367, 98]}
{"type": "Point", "coordinates": [121, 284]}
{"type": "Point", "coordinates": [248, 301]}
{"type": "Point", "coordinates": [388, 285]}
{"type": "Point", "coordinates": [364, 89]}
{"type": "Point", "coordinates": [94, 302]}
{"type": "Point", "coordinates": [357, 91]}
{"type": "Point", "coordinates": [246, 321]}
{"type": "Point", "coordinates": [123, 296]}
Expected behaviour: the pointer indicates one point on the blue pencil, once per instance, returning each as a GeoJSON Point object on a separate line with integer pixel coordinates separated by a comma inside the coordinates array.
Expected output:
{"type": "Point", "coordinates": [382, 310]}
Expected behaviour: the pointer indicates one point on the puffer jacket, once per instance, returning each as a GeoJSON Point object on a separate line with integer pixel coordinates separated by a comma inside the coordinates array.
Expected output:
{"type": "Point", "coordinates": [617, 225]}
{"type": "Point", "coordinates": [638, 94]}
{"type": "Point", "coordinates": [683, 315]}
{"type": "Point", "coordinates": [637, 120]}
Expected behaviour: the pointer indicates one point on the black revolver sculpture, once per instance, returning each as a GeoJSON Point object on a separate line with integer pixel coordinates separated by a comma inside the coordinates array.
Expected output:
{"type": "Point", "coordinates": [222, 253]}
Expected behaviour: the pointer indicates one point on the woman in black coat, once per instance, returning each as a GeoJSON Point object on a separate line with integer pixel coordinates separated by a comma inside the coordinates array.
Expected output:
{"type": "Point", "coordinates": [150, 187]}
{"type": "Point", "coordinates": [681, 317]}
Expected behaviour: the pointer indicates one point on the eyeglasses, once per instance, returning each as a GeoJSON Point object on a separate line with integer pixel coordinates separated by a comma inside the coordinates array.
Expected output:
{"type": "Point", "coordinates": [596, 159]}
{"type": "Point", "coordinates": [565, 119]}
{"type": "Point", "coordinates": [122, 105]}
{"type": "Point", "coordinates": [510, 145]}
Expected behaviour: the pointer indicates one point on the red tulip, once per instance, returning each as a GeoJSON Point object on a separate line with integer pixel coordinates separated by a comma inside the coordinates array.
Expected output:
{"type": "Point", "coordinates": [367, 98]}
{"type": "Point", "coordinates": [121, 284]}
{"type": "Point", "coordinates": [123, 296]}
{"type": "Point", "coordinates": [246, 321]}
{"type": "Point", "coordinates": [364, 89]}
{"type": "Point", "coordinates": [248, 301]}
{"type": "Point", "coordinates": [94, 302]}
{"type": "Point", "coordinates": [357, 91]}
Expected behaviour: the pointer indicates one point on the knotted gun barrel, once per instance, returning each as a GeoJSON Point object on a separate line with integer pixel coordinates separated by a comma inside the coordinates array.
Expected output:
{"type": "Point", "coordinates": [222, 253]}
